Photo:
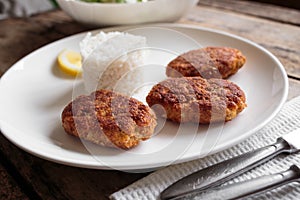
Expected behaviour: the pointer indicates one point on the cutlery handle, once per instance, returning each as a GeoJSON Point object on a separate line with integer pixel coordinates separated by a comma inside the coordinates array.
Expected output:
{"type": "Point", "coordinates": [221, 172]}
{"type": "Point", "coordinates": [250, 187]}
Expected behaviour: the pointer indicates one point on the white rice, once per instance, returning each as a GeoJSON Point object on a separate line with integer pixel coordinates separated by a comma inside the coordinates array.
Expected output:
{"type": "Point", "coordinates": [111, 61]}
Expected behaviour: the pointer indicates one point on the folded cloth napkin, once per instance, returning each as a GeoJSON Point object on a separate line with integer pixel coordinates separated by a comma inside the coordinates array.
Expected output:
{"type": "Point", "coordinates": [150, 187]}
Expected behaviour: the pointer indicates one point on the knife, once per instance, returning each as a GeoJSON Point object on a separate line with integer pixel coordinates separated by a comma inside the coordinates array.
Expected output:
{"type": "Point", "coordinates": [219, 173]}
{"type": "Point", "coordinates": [250, 187]}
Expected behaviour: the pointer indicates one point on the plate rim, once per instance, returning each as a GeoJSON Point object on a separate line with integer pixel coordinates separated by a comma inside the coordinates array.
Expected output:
{"type": "Point", "coordinates": [96, 165]}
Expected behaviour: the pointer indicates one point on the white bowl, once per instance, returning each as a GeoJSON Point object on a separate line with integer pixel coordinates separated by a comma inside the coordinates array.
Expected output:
{"type": "Point", "coordinates": [125, 13]}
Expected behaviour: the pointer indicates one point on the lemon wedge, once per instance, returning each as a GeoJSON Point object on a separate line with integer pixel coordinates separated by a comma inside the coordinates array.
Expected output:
{"type": "Point", "coordinates": [70, 62]}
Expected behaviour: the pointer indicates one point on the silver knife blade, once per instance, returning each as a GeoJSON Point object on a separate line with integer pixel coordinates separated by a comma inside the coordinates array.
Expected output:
{"type": "Point", "coordinates": [219, 173]}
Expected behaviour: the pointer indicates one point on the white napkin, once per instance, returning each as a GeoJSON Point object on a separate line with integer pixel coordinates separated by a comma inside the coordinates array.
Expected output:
{"type": "Point", "coordinates": [287, 120]}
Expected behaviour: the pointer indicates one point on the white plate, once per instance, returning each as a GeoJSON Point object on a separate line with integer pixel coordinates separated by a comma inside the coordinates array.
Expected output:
{"type": "Point", "coordinates": [34, 92]}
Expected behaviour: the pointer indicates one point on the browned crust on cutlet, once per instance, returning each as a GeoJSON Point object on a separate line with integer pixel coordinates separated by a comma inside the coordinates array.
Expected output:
{"type": "Point", "coordinates": [109, 119]}
{"type": "Point", "coordinates": [209, 62]}
{"type": "Point", "coordinates": [194, 99]}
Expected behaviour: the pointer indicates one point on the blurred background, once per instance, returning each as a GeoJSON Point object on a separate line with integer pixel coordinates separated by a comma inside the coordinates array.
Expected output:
{"type": "Point", "coordinates": [24, 8]}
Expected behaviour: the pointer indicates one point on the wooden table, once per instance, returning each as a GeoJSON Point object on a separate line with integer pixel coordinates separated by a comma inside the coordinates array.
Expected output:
{"type": "Point", "coordinates": [23, 176]}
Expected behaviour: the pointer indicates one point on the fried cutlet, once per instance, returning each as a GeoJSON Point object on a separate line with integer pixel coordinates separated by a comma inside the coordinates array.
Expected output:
{"type": "Point", "coordinates": [194, 99]}
{"type": "Point", "coordinates": [109, 119]}
{"type": "Point", "coordinates": [209, 62]}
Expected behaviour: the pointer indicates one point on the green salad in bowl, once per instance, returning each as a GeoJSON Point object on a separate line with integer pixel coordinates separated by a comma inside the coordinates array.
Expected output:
{"type": "Point", "coordinates": [125, 12]}
{"type": "Point", "coordinates": [115, 1]}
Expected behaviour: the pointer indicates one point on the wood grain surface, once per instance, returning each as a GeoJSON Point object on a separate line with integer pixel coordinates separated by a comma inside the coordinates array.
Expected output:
{"type": "Point", "coordinates": [34, 178]}
{"type": "Point", "coordinates": [269, 11]}
{"type": "Point", "coordinates": [287, 3]}
{"type": "Point", "coordinates": [9, 188]}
